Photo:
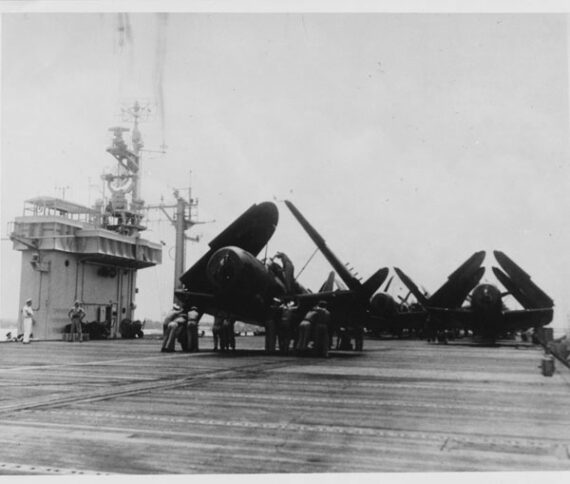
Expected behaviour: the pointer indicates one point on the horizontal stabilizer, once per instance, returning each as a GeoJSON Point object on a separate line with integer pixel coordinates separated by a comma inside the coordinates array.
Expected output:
{"type": "Point", "coordinates": [204, 302]}
{"type": "Point", "coordinates": [351, 281]}
{"type": "Point", "coordinates": [412, 287]}
{"type": "Point", "coordinates": [535, 297]}
{"type": "Point", "coordinates": [453, 317]}
{"type": "Point", "coordinates": [336, 300]}
{"type": "Point", "coordinates": [524, 319]}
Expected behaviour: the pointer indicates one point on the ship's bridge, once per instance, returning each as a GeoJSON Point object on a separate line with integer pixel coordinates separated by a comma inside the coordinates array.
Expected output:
{"type": "Point", "coordinates": [53, 224]}
{"type": "Point", "coordinates": [72, 252]}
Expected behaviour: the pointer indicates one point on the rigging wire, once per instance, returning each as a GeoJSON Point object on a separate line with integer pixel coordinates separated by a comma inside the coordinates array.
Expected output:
{"type": "Point", "coordinates": [306, 263]}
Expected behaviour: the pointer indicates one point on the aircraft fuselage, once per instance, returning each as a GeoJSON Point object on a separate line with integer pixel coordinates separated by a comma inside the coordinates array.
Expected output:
{"type": "Point", "coordinates": [486, 304]}
{"type": "Point", "coordinates": [486, 300]}
{"type": "Point", "coordinates": [242, 283]}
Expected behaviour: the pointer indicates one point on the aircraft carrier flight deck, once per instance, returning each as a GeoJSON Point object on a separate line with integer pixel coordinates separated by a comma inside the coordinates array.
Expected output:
{"type": "Point", "coordinates": [123, 407]}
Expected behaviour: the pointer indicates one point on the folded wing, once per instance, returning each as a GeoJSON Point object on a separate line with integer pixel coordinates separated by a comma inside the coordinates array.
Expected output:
{"type": "Point", "coordinates": [460, 283]}
{"type": "Point", "coordinates": [519, 284]}
{"type": "Point", "coordinates": [250, 231]}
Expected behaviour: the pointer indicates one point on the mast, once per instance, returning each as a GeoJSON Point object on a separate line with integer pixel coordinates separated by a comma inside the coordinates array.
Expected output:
{"type": "Point", "coordinates": [181, 224]}
{"type": "Point", "coordinates": [182, 219]}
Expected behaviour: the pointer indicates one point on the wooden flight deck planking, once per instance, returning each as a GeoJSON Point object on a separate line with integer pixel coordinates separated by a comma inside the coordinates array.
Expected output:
{"type": "Point", "coordinates": [122, 407]}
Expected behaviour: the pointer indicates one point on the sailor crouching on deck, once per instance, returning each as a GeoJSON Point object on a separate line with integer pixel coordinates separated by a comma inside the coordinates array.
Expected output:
{"type": "Point", "coordinates": [316, 323]}
{"type": "Point", "coordinates": [176, 331]}
{"type": "Point", "coordinates": [191, 333]}
{"type": "Point", "coordinates": [169, 329]}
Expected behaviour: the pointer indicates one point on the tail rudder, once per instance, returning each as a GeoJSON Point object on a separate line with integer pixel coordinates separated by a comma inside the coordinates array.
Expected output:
{"type": "Point", "coordinates": [328, 285]}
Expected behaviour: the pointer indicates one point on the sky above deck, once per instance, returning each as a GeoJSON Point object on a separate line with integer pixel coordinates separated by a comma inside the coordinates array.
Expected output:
{"type": "Point", "coordinates": [407, 139]}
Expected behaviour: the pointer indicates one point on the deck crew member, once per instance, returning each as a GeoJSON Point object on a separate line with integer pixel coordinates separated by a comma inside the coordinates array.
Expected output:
{"type": "Point", "coordinates": [284, 331]}
{"type": "Point", "coordinates": [171, 316]}
{"type": "Point", "coordinates": [217, 329]}
{"type": "Point", "coordinates": [28, 320]}
{"type": "Point", "coordinates": [287, 271]}
{"type": "Point", "coordinates": [175, 329]}
{"type": "Point", "coordinates": [343, 339]}
{"type": "Point", "coordinates": [167, 328]}
{"type": "Point", "coordinates": [232, 334]}
{"type": "Point", "coordinates": [192, 329]}
{"type": "Point", "coordinates": [304, 333]}
{"type": "Point", "coordinates": [321, 321]}
{"type": "Point", "coordinates": [227, 335]}
{"type": "Point", "coordinates": [271, 326]}
{"type": "Point", "coordinates": [76, 315]}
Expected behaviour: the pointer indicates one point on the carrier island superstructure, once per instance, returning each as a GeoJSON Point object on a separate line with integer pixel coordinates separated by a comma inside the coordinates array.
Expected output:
{"type": "Point", "coordinates": [91, 254]}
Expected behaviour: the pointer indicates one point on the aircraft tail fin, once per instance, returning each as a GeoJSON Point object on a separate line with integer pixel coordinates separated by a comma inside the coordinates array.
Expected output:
{"type": "Point", "coordinates": [373, 283]}
{"type": "Point", "coordinates": [412, 287]}
{"type": "Point", "coordinates": [328, 285]}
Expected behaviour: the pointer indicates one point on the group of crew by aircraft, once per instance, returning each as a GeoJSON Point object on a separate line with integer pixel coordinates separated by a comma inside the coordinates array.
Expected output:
{"type": "Point", "coordinates": [231, 279]}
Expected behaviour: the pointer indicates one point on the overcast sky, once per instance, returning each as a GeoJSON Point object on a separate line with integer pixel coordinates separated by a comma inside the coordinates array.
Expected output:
{"type": "Point", "coordinates": [408, 140]}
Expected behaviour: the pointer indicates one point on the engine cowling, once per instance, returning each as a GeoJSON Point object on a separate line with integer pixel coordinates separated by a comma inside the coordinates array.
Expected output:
{"type": "Point", "coordinates": [383, 305]}
{"type": "Point", "coordinates": [233, 270]}
{"type": "Point", "coordinates": [486, 298]}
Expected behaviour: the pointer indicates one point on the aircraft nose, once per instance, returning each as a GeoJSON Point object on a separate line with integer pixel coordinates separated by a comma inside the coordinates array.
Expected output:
{"type": "Point", "coordinates": [383, 305]}
{"type": "Point", "coordinates": [223, 268]}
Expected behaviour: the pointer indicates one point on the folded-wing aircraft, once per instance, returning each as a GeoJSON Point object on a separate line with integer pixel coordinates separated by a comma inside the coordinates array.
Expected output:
{"type": "Point", "coordinates": [486, 315]}
{"type": "Point", "coordinates": [357, 305]}
{"type": "Point", "coordinates": [230, 278]}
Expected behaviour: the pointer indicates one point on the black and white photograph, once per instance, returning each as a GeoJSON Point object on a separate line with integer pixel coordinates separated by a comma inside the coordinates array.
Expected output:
{"type": "Point", "coordinates": [308, 240]}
